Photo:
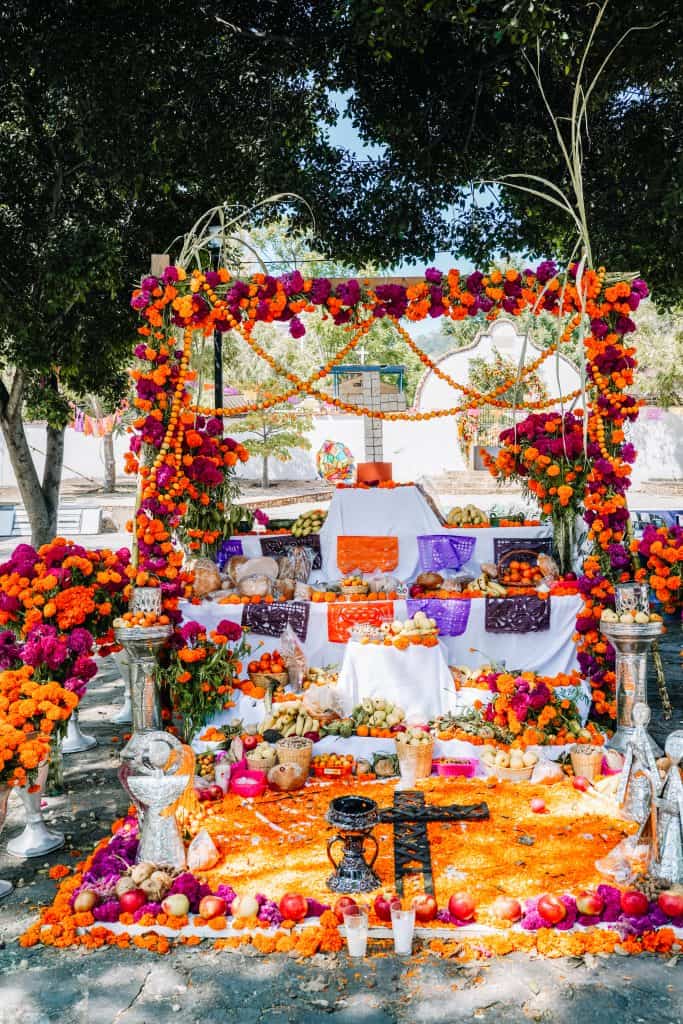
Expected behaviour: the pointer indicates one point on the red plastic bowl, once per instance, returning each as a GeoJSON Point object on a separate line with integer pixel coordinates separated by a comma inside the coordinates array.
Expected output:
{"type": "Point", "coordinates": [465, 767]}
{"type": "Point", "coordinates": [249, 783]}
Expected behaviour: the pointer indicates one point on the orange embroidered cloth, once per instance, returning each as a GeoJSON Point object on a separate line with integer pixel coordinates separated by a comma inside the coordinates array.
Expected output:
{"type": "Point", "coordinates": [341, 617]}
{"type": "Point", "coordinates": [367, 554]}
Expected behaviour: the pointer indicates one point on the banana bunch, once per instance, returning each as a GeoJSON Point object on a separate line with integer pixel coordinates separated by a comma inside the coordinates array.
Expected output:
{"type": "Point", "coordinates": [309, 522]}
{"type": "Point", "coordinates": [290, 719]}
{"type": "Point", "coordinates": [470, 515]}
{"type": "Point", "coordinates": [488, 586]}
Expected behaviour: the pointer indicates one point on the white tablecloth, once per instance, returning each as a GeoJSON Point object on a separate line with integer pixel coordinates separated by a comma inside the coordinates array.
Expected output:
{"type": "Point", "coordinates": [400, 512]}
{"type": "Point", "coordinates": [548, 653]}
{"type": "Point", "coordinates": [417, 679]}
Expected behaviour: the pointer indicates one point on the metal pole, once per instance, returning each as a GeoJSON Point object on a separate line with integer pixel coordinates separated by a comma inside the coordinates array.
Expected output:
{"type": "Point", "coordinates": [218, 369]}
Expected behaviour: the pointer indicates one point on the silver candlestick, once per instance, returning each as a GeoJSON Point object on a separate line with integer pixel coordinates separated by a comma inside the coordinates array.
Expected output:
{"type": "Point", "coordinates": [5, 887]}
{"type": "Point", "coordinates": [75, 741]}
{"type": "Point", "coordinates": [631, 642]}
{"type": "Point", "coordinates": [159, 775]}
{"type": "Point", "coordinates": [36, 839]}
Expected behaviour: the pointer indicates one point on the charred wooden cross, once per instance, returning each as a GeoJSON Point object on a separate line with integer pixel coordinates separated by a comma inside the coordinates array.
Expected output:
{"type": "Point", "coordinates": [410, 817]}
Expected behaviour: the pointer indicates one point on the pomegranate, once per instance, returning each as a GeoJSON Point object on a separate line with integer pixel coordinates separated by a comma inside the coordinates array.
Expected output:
{"type": "Point", "coordinates": [462, 906]}
{"type": "Point", "coordinates": [634, 903]}
{"type": "Point", "coordinates": [342, 904]}
{"type": "Point", "coordinates": [211, 906]}
{"type": "Point", "coordinates": [671, 902]}
{"type": "Point", "coordinates": [505, 908]}
{"type": "Point", "coordinates": [425, 908]}
{"type": "Point", "coordinates": [383, 904]}
{"type": "Point", "coordinates": [132, 900]}
{"type": "Point", "coordinates": [293, 907]}
{"type": "Point", "coordinates": [552, 909]}
{"type": "Point", "coordinates": [590, 903]}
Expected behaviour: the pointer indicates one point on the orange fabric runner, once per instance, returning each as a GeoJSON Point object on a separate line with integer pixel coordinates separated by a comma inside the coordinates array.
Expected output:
{"type": "Point", "coordinates": [342, 616]}
{"type": "Point", "coordinates": [367, 554]}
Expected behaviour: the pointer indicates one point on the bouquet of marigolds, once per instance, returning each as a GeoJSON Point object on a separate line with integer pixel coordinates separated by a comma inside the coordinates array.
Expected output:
{"type": "Point", "coordinates": [662, 551]}
{"type": "Point", "coordinates": [30, 712]}
{"type": "Point", "coordinates": [545, 453]}
{"type": "Point", "coordinates": [201, 670]}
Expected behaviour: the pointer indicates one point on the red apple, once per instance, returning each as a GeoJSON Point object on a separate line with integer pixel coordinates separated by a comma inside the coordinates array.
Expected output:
{"type": "Point", "coordinates": [249, 742]}
{"type": "Point", "coordinates": [671, 902]}
{"type": "Point", "coordinates": [426, 907]}
{"type": "Point", "coordinates": [202, 795]}
{"type": "Point", "coordinates": [537, 805]}
{"type": "Point", "coordinates": [462, 906]}
{"type": "Point", "coordinates": [86, 900]}
{"type": "Point", "coordinates": [552, 909]}
{"type": "Point", "coordinates": [383, 904]}
{"type": "Point", "coordinates": [399, 728]}
{"type": "Point", "coordinates": [214, 792]}
{"type": "Point", "coordinates": [132, 900]}
{"type": "Point", "coordinates": [590, 903]}
{"type": "Point", "coordinates": [176, 905]}
{"type": "Point", "coordinates": [342, 904]}
{"type": "Point", "coordinates": [581, 783]}
{"type": "Point", "coordinates": [505, 908]}
{"type": "Point", "coordinates": [634, 903]}
{"type": "Point", "coordinates": [293, 907]}
{"type": "Point", "coordinates": [211, 906]}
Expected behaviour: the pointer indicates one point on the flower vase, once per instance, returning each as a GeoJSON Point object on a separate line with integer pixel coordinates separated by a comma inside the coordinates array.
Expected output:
{"type": "Point", "coordinates": [75, 741]}
{"type": "Point", "coordinates": [54, 784]}
{"type": "Point", "coordinates": [37, 839]}
{"type": "Point", "coordinates": [5, 887]}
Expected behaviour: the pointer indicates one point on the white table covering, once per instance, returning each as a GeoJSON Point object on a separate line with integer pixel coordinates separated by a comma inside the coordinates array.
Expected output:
{"type": "Point", "coordinates": [417, 679]}
{"type": "Point", "coordinates": [399, 512]}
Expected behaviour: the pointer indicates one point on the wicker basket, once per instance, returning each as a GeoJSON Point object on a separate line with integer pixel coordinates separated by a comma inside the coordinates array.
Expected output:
{"type": "Point", "coordinates": [295, 750]}
{"type": "Point", "coordinates": [350, 591]}
{"type": "Point", "coordinates": [422, 752]}
{"type": "Point", "coordinates": [261, 762]}
{"type": "Point", "coordinates": [265, 679]}
{"type": "Point", "coordinates": [510, 774]}
{"type": "Point", "coordinates": [587, 760]}
{"type": "Point", "coordinates": [524, 554]}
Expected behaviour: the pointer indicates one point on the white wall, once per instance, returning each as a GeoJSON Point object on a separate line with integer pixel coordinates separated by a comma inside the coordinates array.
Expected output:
{"type": "Point", "coordinates": [82, 455]}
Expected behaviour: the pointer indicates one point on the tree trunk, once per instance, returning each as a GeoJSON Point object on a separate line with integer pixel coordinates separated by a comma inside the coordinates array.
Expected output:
{"type": "Point", "coordinates": [265, 482]}
{"type": "Point", "coordinates": [109, 484]}
{"type": "Point", "coordinates": [52, 476]}
{"type": "Point", "coordinates": [40, 500]}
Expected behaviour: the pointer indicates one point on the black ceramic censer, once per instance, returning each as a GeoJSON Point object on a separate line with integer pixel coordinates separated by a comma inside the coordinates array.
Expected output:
{"type": "Point", "coordinates": [354, 818]}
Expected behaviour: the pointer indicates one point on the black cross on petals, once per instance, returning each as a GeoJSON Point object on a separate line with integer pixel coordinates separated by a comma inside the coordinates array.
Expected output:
{"type": "Point", "coordinates": [410, 817]}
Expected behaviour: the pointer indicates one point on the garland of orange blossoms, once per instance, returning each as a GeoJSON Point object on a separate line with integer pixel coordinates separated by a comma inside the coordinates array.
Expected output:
{"type": "Point", "coordinates": [214, 300]}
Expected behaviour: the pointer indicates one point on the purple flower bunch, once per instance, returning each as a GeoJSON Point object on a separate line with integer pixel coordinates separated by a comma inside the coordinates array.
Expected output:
{"type": "Point", "coordinates": [611, 913]}
{"type": "Point", "coordinates": [192, 888]}
{"type": "Point", "coordinates": [64, 659]}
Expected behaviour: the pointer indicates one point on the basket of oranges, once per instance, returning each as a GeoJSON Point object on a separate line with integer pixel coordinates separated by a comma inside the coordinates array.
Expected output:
{"type": "Point", "coordinates": [269, 670]}
{"type": "Point", "coordinates": [332, 766]}
{"type": "Point", "coordinates": [519, 568]}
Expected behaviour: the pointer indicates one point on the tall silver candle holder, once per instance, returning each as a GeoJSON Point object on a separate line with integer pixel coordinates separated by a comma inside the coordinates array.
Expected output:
{"type": "Point", "coordinates": [74, 740]}
{"type": "Point", "coordinates": [160, 771]}
{"type": "Point", "coordinates": [631, 643]}
{"type": "Point", "coordinates": [142, 645]}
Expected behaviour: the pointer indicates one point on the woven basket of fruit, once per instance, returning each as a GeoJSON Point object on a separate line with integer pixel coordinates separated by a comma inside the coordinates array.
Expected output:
{"type": "Point", "coordinates": [331, 766]}
{"type": "Point", "coordinates": [295, 750]}
{"type": "Point", "coordinates": [519, 568]}
{"type": "Point", "coordinates": [512, 766]}
{"type": "Point", "coordinates": [262, 758]}
{"type": "Point", "coordinates": [510, 774]}
{"type": "Point", "coordinates": [419, 745]}
{"type": "Point", "coordinates": [268, 679]}
{"type": "Point", "coordinates": [354, 585]}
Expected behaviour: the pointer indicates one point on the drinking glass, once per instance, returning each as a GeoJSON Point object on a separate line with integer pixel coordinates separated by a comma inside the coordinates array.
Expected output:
{"type": "Point", "coordinates": [407, 763]}
{"type": "Point", "coordinates": [356, 925]}
{"type": "Point", "coordinates": [403, 927]}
